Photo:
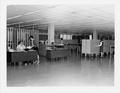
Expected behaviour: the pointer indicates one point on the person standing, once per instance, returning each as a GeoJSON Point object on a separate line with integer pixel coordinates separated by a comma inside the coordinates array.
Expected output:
{"type": "Point", "coordinates": [101, 47]}
{"type": "Point", "coordinates": [34, 47]}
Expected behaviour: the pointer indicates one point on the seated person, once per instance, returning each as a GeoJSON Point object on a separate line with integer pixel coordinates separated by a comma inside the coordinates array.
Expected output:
{"type": "Point", "coordinates": [61, 42]}
{"type": "Point", "coordinates": [52, 45]}
{"type": "Point", "coordinates": [20, 46]}
{"type": "Point", "coordinates": [10, 49]}
{"type": "Point", "coordinates": [46, 42]}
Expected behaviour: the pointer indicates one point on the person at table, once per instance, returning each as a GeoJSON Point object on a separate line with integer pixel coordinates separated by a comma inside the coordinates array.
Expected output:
{"type": "Point", "coordinates": [33, 46]}
{"type": "Point", "coordinates": [20, 46]}
{"type": "Point", "coordinates": [101, 47]}
{"type": "Point", "coordinates": [61, 41]}
{"type": "Point", "coordinates": [53, 45]}
{"type": "Point", "coordinates": [9, 49]}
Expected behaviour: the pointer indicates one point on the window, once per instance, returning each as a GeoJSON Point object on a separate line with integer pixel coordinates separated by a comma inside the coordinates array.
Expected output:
{"type": "Point", "coordinates": [66, 37]}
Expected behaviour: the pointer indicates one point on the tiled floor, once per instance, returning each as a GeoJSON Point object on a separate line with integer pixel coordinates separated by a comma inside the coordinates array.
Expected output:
{"type": "Point", "coordinates": [73, 71]}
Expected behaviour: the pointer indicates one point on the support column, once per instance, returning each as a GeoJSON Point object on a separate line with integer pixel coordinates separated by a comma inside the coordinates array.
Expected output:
{"type": "Point", "coordinates": [90, 37]}
{"type": "Point", "coordinates": [95, 36]}
{"type": "Point", "coordinates": [51, 33]}
{"type": "Point", "coordinates": [112, 36]}
{"type": "Point", "coordinates": [15, 38]}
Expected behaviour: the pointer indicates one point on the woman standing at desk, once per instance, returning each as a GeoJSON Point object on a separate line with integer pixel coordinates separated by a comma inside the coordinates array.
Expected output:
{"type": "Point", "coordinates": [34, 47]}
{"type": "Point", "coordinates": [101, 48]}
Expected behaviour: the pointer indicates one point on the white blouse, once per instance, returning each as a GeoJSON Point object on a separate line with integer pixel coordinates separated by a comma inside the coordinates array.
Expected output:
{"type": "Point", "coordinates": [20, 48]}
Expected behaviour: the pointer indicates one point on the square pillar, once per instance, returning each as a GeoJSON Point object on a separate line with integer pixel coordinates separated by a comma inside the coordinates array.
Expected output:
{"type": "Point", "coordinates": [95, 36]}
{"type": "Point", "coordinates": [90, 37]}
{"type": "Point", "coordinates": [51, 33]}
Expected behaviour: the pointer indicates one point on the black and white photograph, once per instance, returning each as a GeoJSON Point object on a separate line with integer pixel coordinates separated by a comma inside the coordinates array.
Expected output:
{"type": "Point", "coordinates": [60, 45]}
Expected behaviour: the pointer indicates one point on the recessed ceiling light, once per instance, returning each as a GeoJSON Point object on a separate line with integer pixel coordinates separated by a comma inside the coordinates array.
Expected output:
{"type": "Point", "coordinates": [89, 16]}
{"type": "Point", "coordinates": [73, 12]}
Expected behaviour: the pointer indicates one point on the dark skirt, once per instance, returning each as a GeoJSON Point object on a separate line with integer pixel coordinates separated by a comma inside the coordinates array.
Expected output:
{"type": "Point", "coordinates": [35, 48]}
{"type": "Point", "coordinates": [101, 49]}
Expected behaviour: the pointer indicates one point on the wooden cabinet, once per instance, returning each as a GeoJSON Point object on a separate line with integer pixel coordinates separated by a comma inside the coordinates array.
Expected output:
{"type": "Point", "coordinates": [107, 44]}
{"type": "Point", "coordinates": [90, 46]}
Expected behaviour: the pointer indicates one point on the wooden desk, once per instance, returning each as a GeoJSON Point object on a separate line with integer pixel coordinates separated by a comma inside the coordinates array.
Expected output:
{"type": "Point", "coordinates": [21, 56]}
{"type": "Point", "coordinates": [58, 53]}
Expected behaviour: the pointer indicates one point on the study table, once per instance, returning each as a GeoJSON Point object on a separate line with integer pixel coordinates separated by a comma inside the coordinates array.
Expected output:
{"type": "Point", "coordinates": [58, 53]}
{"type": "Point", "coordinates": [13, 57]}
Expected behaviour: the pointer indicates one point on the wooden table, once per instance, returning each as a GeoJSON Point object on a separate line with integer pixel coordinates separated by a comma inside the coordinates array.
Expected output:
{"type": "Point", "coordinates": [58, 53]}
{"type": "Point", "coordinates": [13, 57]}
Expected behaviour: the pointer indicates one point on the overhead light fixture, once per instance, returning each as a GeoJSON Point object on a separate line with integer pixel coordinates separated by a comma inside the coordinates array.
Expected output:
{"type": "Point", "coordinates": [89, 16]}
{"type": "Point", "coordinates": [73, 12]}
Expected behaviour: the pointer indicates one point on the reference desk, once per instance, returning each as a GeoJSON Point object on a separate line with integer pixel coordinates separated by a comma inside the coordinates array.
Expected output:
{"type": "Point", "coordinates": [13, 57]}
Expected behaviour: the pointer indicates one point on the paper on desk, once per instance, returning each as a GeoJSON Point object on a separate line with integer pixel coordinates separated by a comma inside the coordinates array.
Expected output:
{"type": "Point", "coordinates": [29, 47]}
